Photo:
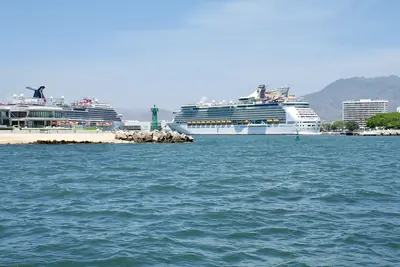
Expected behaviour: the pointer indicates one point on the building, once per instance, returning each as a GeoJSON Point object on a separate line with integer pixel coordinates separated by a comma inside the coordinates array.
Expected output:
{"type": "Point", "coordinates": [40, 112]}
{"type": "Point", "coordinates": [398, 109]}
{"type": "Point", "coordinates": [30, 116]}
{"type": "Point", "coordinates": [361, 110]}
{"type": "Point", "coordinates": [133, 125]}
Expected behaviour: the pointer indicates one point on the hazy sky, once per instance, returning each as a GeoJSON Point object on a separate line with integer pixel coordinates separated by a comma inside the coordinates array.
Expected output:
{"type": "Point", "coordinates": [168, 52]}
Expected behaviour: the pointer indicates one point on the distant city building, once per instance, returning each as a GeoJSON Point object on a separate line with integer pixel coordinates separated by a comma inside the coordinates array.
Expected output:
{"type": "Point", "coordinates": [361, 110]}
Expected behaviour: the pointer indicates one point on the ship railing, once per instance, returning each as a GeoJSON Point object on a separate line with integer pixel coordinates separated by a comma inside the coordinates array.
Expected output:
{"type": "Point", "coordinates": [275, 98]}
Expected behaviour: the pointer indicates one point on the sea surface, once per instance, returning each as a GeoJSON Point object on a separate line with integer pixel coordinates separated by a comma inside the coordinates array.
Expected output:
{"type": "Point", "coordinates": [222, 201]}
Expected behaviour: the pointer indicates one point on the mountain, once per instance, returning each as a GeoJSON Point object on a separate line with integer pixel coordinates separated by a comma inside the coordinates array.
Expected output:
{"type": "Point", "coordinates": [328, 102]}
{"type": "Point", "coordinates": [144, 114]}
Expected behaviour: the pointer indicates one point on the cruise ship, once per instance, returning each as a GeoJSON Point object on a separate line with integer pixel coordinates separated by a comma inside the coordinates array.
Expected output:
{"type": "Point", "coordinates": [38, 112]}
{"type": "Point", "coordinates": [262, 112]}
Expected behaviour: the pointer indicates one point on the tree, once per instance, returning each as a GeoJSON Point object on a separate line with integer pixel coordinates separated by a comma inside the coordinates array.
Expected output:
{"type": "Point", "coordinates": [326, 127]}
{"type": "Point", "coordinates": [351, 125]}
{"type": "Point", "coordinates": [338, 125]}
{"type": "Point", "coordinates": [388, 120]}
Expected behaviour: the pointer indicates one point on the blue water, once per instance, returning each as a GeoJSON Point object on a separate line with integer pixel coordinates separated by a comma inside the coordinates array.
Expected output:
{"type": "Point", "coordinates": [222, 201]}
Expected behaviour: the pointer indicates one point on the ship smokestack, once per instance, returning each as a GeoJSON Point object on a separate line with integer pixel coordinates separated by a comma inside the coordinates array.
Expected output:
{"type": "Point", "coordinates": [261, 89]}
{"type": "Point", "coordinates": [38, 93]}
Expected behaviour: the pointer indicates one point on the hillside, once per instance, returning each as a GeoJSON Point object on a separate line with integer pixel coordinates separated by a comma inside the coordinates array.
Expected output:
{"type": "Point", "coordinates": [144, 114]}
{"type": "Point", "coordinates": [328, 102]}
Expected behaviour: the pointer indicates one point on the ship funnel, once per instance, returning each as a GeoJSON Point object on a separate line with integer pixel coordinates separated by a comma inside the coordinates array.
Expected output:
{"type": "Point", "coordinates": [38, 93]}
{"type": "Point", "coordinates": [261, 91]}
{"type": "Point", "coordinates": [284, 91]}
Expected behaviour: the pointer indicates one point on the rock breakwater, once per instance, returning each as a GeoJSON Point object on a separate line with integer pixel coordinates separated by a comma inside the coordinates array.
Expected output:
{"type": "Point", "coordinates": [154, 137]}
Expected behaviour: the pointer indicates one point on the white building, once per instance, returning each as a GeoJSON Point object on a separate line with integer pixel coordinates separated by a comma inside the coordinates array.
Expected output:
{"type": "Point", "coordinates": [133, 125]}
{"type": "Point", "coordinates": [361, 110]}
{"type": "Point", "coordinates": [398, 109]}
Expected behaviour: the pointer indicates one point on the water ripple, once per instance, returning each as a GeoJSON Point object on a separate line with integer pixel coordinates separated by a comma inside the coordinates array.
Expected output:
{"type": "Point", "coordinates": [222, 201]}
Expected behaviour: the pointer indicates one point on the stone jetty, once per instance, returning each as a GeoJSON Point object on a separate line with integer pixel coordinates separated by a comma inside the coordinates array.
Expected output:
{"type": "Point", "coordinates": [154, 137]}
{"type": "Point", "coordinates": [90, 137]}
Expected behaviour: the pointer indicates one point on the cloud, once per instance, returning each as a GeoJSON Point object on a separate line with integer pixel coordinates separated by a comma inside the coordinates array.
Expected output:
{"type": "Point", "coordinates": [223, 51]}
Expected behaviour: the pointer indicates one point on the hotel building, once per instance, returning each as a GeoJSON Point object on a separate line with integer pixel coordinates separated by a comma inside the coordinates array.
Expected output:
{"type": "Point", "coordinates": [361, 110]}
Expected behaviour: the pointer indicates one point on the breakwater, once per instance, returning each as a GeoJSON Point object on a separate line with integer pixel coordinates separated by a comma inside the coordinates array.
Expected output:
{"type": "Point", "coordinates": [92, 137]}
{"type": "Point", "coordinates": [379, 133]}
{"type": "Point", "coordinates": [367, 133]}
{"type": "Point", "coordinates": [154, 137]}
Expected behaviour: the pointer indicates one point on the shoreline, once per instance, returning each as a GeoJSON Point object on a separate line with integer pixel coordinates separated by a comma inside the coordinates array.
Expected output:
{"type": "Point", "coordinates": [92, 137]}
{"type": "Point", "coordinates": [366, 133]}
{"type": "Point", "coordinates": [29, 138]}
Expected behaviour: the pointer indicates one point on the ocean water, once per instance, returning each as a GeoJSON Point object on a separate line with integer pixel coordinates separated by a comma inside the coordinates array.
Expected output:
{"type": "Point", "coordinates": [222, 201]}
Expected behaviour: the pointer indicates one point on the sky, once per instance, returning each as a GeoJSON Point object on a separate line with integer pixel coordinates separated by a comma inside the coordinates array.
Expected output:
{"type": "Point", "coordinates": [134, 54]}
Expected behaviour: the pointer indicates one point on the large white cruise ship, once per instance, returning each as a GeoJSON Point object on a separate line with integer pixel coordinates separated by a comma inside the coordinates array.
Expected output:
{"type": "Point", "coordinates": [263, 112]}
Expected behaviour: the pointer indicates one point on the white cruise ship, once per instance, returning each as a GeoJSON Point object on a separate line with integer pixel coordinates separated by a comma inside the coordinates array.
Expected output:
{"type": "Point", "coordinates": [263, 112]}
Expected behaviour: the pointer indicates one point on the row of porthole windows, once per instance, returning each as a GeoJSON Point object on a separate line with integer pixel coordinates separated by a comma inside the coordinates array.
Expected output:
{"type": "Point", "coordinates": [308, 125]}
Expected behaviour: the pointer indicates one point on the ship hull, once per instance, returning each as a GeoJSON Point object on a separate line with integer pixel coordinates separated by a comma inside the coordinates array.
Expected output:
{"type": "Point", "coordinates": [277, 129]}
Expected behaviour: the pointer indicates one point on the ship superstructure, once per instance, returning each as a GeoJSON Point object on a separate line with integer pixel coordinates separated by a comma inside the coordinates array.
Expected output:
{"type": "Point", "coordinates": [262, 112]}
{"type": "Point", "coordinates": [38, 111]}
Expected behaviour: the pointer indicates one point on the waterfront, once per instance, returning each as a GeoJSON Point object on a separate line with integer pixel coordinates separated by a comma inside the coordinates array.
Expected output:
{"type": "Point", "coordinates": [52, 136]}
{"type": "Point", "coordinates": [390, 132]}
{"type": "Point", "coordinates": [24, 137]}
{"type": "Point", "coordinates": [222, 201]}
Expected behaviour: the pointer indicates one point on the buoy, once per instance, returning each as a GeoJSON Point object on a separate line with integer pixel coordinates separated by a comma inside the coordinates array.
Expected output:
{"type": "Point", "coordinates": [297, 135]}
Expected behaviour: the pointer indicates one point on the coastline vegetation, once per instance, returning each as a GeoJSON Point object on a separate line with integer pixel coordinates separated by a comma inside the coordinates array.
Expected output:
{"type": "Point", "coordinates": [351, 125]}
{"type": "Point", "coordinates": [389, 120]}
{"type": "Point", "coordinates": [339, 126]}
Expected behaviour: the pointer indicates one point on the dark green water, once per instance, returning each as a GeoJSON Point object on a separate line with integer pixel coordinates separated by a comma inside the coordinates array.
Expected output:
{"type": "Point", "coordinates": [222, 201]}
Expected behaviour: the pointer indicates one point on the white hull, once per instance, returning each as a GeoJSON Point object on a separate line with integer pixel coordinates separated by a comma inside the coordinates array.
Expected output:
{"type": "Point", "coordinates": [276, 129]}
